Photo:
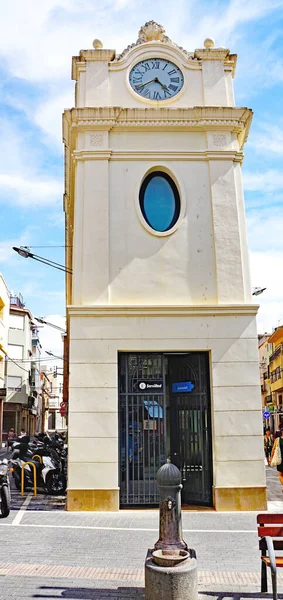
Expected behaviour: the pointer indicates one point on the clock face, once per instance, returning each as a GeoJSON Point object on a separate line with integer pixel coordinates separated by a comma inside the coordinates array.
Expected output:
{"type": "Point", "coordinates": [156, 79]}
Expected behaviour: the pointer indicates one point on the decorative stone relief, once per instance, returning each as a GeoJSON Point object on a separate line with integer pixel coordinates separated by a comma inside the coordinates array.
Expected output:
{"type": "Point", "coordinates": [151, 32]}
{"type": "Point", "coordinates": [219, 139]}
{"type": "Point", "coordinates": [96, 140]}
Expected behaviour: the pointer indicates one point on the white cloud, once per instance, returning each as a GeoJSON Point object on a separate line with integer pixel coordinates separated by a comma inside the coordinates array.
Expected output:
{"type": "Point", "coordinates": [266, 261]}
{"type": "Point", "coordinates": [7, 254]}
{"type": "Point", "coordinates": [50, 31]}
{"type": "Point", "coordinates": [268, 181]}
{"type": "Point", "coordinates": [48, 115]}
{"type": "Point", "coordinates": [22, 181]}
{"type": "Point", "coordinates": [268, 139]}
{"type": "Point", "coordinates": [223, 20]}
{"type": "Point", "coordinates": [265, 229]}
{"type": "Point", "coordinates": [30, 191]}
{"type": "Point", "coordinates": [266, 269]}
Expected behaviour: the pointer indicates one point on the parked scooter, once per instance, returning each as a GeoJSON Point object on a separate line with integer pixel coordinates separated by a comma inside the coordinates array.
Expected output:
{"type": "Point", "coordinates": [5, 494]}
{"type": "Point", "coordinates": [49, 468]}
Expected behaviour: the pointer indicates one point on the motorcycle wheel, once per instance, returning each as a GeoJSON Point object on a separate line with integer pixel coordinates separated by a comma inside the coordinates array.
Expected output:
{"type": "Point", "coordinates": [5, 502]}
{"type": "Point", "coordinates": [55, 484]}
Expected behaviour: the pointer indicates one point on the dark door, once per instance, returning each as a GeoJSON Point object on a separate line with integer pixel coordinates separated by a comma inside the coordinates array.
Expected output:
{"type": "Point", "coordinates": [189, 421]}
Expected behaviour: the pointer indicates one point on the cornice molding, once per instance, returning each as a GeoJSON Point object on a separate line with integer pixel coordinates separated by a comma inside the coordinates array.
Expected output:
{"type": "Point", "coordinates": [161, 311]}
{"type": "Point", "coordinates": [92, 154]}
{"type": "Point", "coordinates": [132, 155]}
{"type": "Point", "coordinates": [236, 120]}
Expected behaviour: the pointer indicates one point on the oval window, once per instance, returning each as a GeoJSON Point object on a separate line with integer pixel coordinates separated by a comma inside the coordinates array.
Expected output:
{"type": "Point", "coordinates": [159, 201]}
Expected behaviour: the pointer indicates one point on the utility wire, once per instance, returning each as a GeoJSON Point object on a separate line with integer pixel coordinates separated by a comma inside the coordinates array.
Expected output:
{"type": "Point", "coordinates": [13, 361]}
{"type": "Point", "coordinates": [47, 246]}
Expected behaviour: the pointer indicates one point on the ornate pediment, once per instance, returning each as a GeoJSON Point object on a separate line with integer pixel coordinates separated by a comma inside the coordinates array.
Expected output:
{"type": "Point", "coordinates": [152, 32]}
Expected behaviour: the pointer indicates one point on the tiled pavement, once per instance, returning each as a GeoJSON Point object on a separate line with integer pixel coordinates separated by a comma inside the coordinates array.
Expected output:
{"type": "Point", "coordinates": [47, 553]}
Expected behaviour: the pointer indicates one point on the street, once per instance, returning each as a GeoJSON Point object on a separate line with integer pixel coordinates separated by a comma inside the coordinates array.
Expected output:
{"type": "Point", "coordinates": [50, 553]}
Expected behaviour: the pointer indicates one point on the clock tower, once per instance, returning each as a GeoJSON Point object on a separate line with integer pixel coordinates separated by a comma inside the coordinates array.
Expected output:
{"type": "Point", "coordinates": [161, 325]}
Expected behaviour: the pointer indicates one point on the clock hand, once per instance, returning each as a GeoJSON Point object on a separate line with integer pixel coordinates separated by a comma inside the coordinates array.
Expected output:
{"type": "Point", "coordinates": [142, 85]}
{"type": "Point", "coordinates": [164, 87]}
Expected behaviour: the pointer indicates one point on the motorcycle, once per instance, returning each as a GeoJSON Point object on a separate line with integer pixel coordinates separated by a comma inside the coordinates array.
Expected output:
{"type": "Point", "coordinates": [49, 468]}
{"type": "Point", "coordinates": [5, 494]}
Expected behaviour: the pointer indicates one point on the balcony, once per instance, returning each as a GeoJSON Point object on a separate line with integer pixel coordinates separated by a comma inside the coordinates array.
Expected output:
{"type": "Point", "coordinates": [276, 352]}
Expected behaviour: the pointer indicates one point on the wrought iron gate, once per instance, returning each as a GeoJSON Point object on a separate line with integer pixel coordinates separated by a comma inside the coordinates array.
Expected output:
{"type": "Point", "coordinates": [142, 410]}
{"type": "Point", "coordinates": [190, 431]}
{"type": "Point", "coordinates": [148, 408]}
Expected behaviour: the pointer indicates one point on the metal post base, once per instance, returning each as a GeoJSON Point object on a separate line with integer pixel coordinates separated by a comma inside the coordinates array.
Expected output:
{"type": "Point", "coordinates": [171, 583]}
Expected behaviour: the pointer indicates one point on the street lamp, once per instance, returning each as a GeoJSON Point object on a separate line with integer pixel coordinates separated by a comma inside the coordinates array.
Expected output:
{"type": "Point", "coordinates": [257, 291]}
{"type": "Point", "coordinates": [41, 320]}
{"type": "Point", "coordinates": [25, 253]}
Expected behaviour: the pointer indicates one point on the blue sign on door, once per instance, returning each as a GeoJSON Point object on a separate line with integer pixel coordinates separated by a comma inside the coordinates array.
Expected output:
{"type": "Point", "coordinates": [266, 414]}
{"type": "Point", "coordinates": [182, 386]}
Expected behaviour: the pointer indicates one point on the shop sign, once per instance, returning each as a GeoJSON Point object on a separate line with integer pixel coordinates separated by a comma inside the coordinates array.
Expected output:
{"type": "Point", "coordinates": [182, 386]}
{"type": "Point", "coordinates": [149, 386]}
{"type": "Point", "coordinates": [3, 392]}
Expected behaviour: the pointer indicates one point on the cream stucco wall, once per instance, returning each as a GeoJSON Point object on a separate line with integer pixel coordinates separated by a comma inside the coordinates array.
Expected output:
{"type": "Point", "coordinates": [97, 337]}
{"type": "Point", "coordinates": [203, 262]}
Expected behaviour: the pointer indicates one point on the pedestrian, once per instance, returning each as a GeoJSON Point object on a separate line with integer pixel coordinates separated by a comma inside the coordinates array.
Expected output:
{"type": "Point", "coordinates": [10, 437]}
{"type": "Point", "coordinates": [277, 454]}
{"type": "Point", "coordinates": [268, 445]}
{"type": "Point", "coordinates": [23, 432]}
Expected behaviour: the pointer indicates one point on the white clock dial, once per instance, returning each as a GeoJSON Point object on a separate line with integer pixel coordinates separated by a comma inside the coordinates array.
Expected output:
{"type": "Point", "coordinates": [156, 79]}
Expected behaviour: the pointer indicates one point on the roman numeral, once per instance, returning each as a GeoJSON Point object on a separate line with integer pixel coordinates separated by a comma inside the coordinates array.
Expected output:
{"type": "Point", "coordinates": [155, 64]}
{"type": "Point", "coordinates": [137, 79]}
{"type": "Point", "coordinates": [138, 72]}
{"type": "Point", "coordinates": [175, 79]}
{"type": "Point", "coordinates": [167, 94]}
{"type": "Point", "coordinates": [147, 93]}
{"type": "Point", "coordinates": [165, 67]}
{"type": "Point", "coordinates": [173, 87]}
{"type": "Point", "coordinates": [146, 67]}
{"type": "Point", "coordinates": [156, 96]}
{"type": "Point", "coordinates": [172, 72]}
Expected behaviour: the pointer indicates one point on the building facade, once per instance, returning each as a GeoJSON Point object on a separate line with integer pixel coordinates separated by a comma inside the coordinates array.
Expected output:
{"type": "Point", "coordinates": [22, 403]}
{"type": "Point", "coordinates": [265, 349]}
{"type": "Point", "coordinates": [52, 393]}
{"type": "Point", "coordinates": [4, 327]}
{"type": "Point", "coordinates": [163, 355]}
{"type": "Point", "coordinates": [276, 375]}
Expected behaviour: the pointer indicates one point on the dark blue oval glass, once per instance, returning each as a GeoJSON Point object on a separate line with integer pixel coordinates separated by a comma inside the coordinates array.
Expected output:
{"type": "Point", "coordinates": [159, 201]}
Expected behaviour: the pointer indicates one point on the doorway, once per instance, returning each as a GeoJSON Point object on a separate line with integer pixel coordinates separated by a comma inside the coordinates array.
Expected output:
{"type": "Point", "coordinates": [189, 419]}
{"type": "Point", "coordinates": [164, 411]}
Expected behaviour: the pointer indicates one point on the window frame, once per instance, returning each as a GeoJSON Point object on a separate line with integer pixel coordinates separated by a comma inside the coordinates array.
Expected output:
{"type": "Point", "coordinates": [13, 388]}
{"type": "Point", "coordinates": [172, 179]}
{"type": "Point", "coordinates": [176, 194]}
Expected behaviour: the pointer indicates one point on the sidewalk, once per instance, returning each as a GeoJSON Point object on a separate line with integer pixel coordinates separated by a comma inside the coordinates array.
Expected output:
{"type": "Point", "coordinates": [92, 556]}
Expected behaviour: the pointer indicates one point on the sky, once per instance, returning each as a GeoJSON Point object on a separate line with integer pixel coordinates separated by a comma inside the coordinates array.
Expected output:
{"type": "Point", "coordinates": [37, 41]}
